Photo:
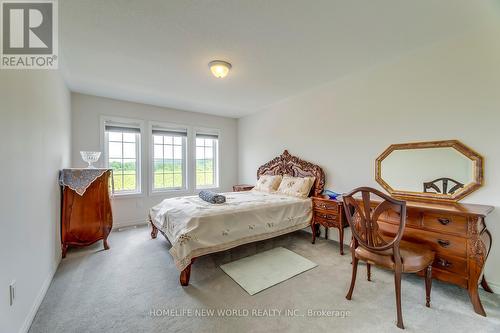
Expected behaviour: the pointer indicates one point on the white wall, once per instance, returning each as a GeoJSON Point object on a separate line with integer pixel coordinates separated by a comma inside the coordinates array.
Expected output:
{"type": "Point", "coordinates": [35, 144]}
{"type": "Point", "coordinates": [86, 113]}
{"type": "Point", "coordinates": [448, 91]}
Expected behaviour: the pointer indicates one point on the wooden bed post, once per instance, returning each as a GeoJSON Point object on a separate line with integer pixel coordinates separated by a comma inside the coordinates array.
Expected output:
{"type": "Point", "coordinates": [186, 274]}
{"type": "Point", "coordinates": [154, 230]}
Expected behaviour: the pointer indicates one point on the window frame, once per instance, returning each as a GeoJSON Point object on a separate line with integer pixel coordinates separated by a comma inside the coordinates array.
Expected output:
{"type": "Point", "coordinates": [125, 122]}
{"type": "Point", "coordinates": [216, 159]}
{"type": "Point", "coordinates": [185, 161]}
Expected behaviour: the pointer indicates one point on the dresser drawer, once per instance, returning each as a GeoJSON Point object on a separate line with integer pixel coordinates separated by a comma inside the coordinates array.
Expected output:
{"type": "Point", "coordinates": [451, 264]}
{"type": "Point", "coordinates": [447, 223]}
{"type": "Point", "coordinates": [441, 244]}
{"type": "Point", "coordinates": [447, 276]}
{"type": "Point", "coordinates": [391, 216]}
{"type": "Point", "coordinates": [326, 205]}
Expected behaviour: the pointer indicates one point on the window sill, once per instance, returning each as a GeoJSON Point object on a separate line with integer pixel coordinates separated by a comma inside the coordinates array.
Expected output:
{"type": "Point", "coordinates": [198, 190]}
{"type": "Point", "coordinates": [170, 192]}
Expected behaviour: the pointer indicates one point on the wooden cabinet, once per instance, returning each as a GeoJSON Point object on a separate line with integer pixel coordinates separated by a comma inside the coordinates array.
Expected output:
{"type": "Point", "coordinates": [242, 187]}
{"type": "Point", "coordinates": [457, 233]}
{"type": "Point", "coordinates": [330, 214]}
{"type": "Point", "coordinates": [86, 218]}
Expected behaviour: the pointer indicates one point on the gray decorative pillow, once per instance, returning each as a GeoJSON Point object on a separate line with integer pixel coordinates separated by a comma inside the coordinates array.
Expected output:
{"type": "Point", "coordinates": [212, 197]}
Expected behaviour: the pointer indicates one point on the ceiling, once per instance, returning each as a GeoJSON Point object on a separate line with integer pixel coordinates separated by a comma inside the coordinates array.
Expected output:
{"type": "Point", "coordinates": [157, 51]}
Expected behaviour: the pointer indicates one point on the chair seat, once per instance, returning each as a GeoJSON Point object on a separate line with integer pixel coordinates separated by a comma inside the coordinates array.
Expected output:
{"type": "Point", "coordinates": [415, 257]}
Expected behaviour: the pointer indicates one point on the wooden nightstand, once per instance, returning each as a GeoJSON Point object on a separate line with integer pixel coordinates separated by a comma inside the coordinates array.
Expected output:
{"type": "Point", "coordinates": [330, 214]}
{"type": "Point", "coordinates": [242, 187]}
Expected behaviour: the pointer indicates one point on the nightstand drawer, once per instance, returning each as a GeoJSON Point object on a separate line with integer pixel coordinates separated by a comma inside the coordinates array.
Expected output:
{"type": "Point", "coordinates": [329, 223]}
{"type": "Point", "coordinates": [326, 215]}
{"type": "Point", "coordinates": [325, 205]}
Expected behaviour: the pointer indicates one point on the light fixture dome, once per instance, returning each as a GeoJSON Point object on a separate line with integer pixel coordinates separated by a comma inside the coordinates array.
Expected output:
{"type": "Point", "coordinates": [219, 68]}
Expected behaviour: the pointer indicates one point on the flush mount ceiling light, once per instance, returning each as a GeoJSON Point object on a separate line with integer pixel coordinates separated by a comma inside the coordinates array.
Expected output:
{"type": "Point", "coordinates": [219, 68]}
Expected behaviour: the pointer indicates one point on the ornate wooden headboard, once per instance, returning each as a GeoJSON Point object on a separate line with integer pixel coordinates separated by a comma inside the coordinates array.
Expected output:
{"type": "Point", "coordinates": [290, 165]}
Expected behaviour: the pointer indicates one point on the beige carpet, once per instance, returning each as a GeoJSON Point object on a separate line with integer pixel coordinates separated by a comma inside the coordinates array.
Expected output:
{"type": "Point", "coordinates": [134, 287]}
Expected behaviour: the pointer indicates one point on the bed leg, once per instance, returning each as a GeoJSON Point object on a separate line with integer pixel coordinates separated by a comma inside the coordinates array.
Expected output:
{"type": "Point", "coordinates": [185, 275]}
{"type": "Point", "coordinates": [154, 231]}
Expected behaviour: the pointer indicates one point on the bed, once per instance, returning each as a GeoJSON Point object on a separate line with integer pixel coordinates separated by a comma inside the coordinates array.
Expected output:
{"type": "Point", "coordinates": [195, 228]}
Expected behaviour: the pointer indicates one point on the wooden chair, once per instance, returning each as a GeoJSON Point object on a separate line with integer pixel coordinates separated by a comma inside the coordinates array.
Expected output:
{"type": "Point", "coordinates": [370, 245]}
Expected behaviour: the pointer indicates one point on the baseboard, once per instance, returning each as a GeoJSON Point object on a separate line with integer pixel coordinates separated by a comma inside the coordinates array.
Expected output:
{"type": "Point", "coordinates": [128, 223]}
{"type": "Point", "coordinates": [38, 300]}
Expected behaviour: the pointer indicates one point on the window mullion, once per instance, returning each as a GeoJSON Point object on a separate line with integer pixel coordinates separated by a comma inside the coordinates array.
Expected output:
{"type": "Point", "coordinates": [137, 166]}
{"type": "Point", "coordinates": [214, 163]}
{"type": "Point", "coordinates": [123, 162]}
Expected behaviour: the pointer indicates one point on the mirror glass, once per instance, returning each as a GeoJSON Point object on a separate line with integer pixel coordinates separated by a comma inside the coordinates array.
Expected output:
{"type": "Point", "coordinates": [434, 170]}
{"type": "Point", "coordinates": [429, 170]}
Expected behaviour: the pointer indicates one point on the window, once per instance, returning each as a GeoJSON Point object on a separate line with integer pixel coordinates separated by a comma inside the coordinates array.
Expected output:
{"type": "Point", "coordinates": [123, 156]}
{"type": "Point", "coordinates": [206, 160]}
{"type": "Point", "coordinates": [169, 159]}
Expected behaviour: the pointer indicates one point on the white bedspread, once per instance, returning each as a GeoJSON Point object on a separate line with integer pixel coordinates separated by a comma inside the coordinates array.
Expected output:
{"type": "Point", "coordinates": [195, 227]}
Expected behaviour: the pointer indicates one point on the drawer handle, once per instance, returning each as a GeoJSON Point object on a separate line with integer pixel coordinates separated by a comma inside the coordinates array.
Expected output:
{"type": "Point", "coordinates": [444, 221]}
{"type": "Point", "coordinates": [443, 243]}
{"type": "Point", "coordinates": [444, 263]}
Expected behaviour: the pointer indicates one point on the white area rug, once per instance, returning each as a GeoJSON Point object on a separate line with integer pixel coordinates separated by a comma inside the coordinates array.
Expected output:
{"type": "Point", "coordinates": [266, 269]}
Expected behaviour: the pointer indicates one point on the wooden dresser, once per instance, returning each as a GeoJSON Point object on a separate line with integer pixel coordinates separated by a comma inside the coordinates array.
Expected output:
{"type": "Point", "coordinates": [86, 217]}
{"type": "Point", "coordinates": [330, 214]}
{"type": "Point", "coordinates": [458, 235]}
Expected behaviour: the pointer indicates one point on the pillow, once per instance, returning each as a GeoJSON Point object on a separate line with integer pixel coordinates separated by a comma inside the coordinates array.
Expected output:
{"type": "Point", "coordinates": [296, 186]}
{"type": "Point", "coordinates": [212, 197]}
{"type": "Point", "coordinates": [268, 183]}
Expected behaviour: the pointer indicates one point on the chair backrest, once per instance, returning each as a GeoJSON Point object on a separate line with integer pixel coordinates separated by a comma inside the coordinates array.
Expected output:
{"type": "Point", "coordinates": [363, 215]}
{"type": "Point", "coordinates": [434, 185]}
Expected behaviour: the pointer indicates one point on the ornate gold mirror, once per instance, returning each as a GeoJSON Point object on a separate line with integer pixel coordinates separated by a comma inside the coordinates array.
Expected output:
{"type": "Point", "coordinates": [436, 170]}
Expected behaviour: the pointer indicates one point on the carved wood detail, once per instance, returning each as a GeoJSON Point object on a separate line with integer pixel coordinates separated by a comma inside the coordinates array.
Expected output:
{"type": "Point", "coordinates": [477, 249]}
{"type": "Point", "coordinates": [287, 164]}
{"type": "Point", "coordinates": [477, 254]}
